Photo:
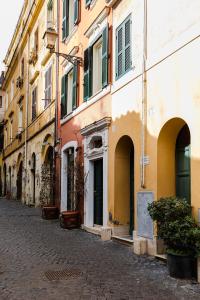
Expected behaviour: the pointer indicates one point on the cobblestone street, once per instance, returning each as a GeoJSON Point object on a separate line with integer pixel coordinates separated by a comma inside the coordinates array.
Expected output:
{"type": "Point", "coordinates": [30, 247]}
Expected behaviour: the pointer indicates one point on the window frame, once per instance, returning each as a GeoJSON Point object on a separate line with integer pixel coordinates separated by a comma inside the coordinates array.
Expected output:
{"type": "Point", "coordinates": [34, 96]}
{"type": "Point", "coordinates": [48, 86]}
{"type": "Point", "coordinates": [122, 26]}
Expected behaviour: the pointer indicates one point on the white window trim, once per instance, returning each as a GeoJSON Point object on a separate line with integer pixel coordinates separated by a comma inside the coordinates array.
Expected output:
{"type": "Point", "coordinates": [71, 144]}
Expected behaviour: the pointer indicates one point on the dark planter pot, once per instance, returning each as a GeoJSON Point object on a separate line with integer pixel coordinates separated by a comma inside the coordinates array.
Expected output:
{"type": "Point", "coordinates": [50, 212]}
{"type": "Point", "coordinates": [70, 219]}
{"type": "Point", "coordinates": [182, 266]}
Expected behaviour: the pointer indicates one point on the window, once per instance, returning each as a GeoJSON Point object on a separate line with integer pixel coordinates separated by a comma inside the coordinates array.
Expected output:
{"type": "Point", "coordinates": [34, 103]}
{"type": "Point", "coordinates": [87, 3]}
{"type": "Point", "coordinates": [22, 68]}
{"type": "Point", "coordinates": [11, 130]}
{"type": "Point", "coordinates": [20, 118]}
{"type": "Point", "coordinates": [48, 87]}
{"type": "Point", "coordinates": [69, 92]}
{"type": "Point", "coordinates": [12, 90]}
{"type": "Point", "coordinates": [71, 16]}
{"type": "Point", "coordinates": [1, 101]}
{"type": "Point", "coordinates": [96, 66]}
{"type": "Point", "coordinates": [6, 100]}
{"type": "Point", "coordinates": [123, 48]}
{"type": "Point", "coordinates": [36, 41]}
{"type": "Point", "coordinates": [50, 14]}
{"type": "Point", "coordinates": [6, 137]}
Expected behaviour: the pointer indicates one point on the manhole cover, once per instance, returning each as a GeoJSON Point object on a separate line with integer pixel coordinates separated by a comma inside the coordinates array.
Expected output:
{"type": "Point", "coordinates": [62, 274]}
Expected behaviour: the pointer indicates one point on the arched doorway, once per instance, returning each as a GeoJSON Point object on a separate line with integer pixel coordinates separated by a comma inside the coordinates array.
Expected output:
{"type": "Point", "coordinates": [33, 171]}
{"type": "Point", "coordinates": [47, 182]}
{"type": "Point", "coordinates": [124, 184]}
{"type": "Point", "coordinates": [5, 181]}
{"type": "Point", "coordinates": [183, 163]}
{"type": "Point", "coordinates": [10, 180]}
{"type": "Point", "coordinates": [173, 165]}
{"type": "Point", "coordinates": [19, 181]}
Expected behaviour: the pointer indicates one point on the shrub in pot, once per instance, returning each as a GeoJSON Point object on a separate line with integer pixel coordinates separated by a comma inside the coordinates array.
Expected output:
{"type": "Point", "coordinates": [180, 233]}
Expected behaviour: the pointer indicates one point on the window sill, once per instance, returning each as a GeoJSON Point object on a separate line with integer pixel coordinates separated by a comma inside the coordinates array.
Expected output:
{"type": "Point", "coordinates": [67, 39]}
{"type": "Point", "coordinates": [123, 80]}
{"type": "Point", "coordinates": [86, 104]}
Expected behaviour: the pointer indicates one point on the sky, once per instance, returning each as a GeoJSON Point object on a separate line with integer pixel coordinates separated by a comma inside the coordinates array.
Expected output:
{"type": "Point", "coordinates": [9, 14]}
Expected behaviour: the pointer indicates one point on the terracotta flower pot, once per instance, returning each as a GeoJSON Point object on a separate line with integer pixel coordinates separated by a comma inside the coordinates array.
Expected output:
{"type": "Point", "coordinates": [50, 212]}
{"type": "Point", "coordinates": [70, 219]}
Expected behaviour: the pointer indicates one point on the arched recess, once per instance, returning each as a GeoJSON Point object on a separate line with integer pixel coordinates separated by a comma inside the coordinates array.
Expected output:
{"type": "Point", "coordinates": [173, 160]}
{"type": "Point", "coordinates": [33, 171]}
{"type": "Point", "coordinates": [19, 176]}
{"type": "Point", "coordinates": [124, 183]}
{"type": "Point", "coordinates": [5, 179]}
{"type": "Point", "coordinates": [47, 182]}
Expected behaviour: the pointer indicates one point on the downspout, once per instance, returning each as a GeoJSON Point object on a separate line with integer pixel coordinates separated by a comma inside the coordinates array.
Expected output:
{"type": "Point", "coordinates": [56, 102]}
{"type": "Point", "coordinates": [26, 115]}
{"type": "Point", "coordinates": [144, 97]}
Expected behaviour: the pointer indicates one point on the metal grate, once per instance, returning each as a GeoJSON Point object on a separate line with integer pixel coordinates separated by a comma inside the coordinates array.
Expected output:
{"type": "Point", "coordinates": [62, 274]}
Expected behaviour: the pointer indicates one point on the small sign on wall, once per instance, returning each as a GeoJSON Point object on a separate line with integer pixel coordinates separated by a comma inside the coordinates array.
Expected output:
{"type": "Point", "coordinates": [145, 223]}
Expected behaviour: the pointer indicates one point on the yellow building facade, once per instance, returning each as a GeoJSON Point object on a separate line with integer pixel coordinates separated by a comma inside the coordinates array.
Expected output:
{"type": "Point", "coordinates": [30, 93]}
{"type": "Point", "coordinates": [154, 144]}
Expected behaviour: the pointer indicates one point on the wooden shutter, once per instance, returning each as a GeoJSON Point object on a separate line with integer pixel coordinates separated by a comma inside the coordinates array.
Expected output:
{"type": "Point", "coordinates": [86, 74]}
{"type": "Point", "coordinates": [75, 85]}
{"type": "Point", "coordinates": [127, 45]}
{"type": "Point", "coordinates": [76, 12]}
{"type": "Point", "coordinates": [65, 20]}
{"type": "Point", "coordinates": [123, 48]}
{"type": "Point", "coordinates": [63, 96]}
{"type": "Point", "coordinates": [105, 57]}
{"type": "Point", "coordinates": [34, 101]}
{"type": "Point", "coordinates": [119, 51]}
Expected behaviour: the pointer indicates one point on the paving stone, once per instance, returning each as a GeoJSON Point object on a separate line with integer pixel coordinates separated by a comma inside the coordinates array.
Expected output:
{"type": "Point", "coordinates": [31, 246]}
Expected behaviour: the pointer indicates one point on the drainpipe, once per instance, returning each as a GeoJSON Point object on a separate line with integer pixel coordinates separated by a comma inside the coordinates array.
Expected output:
{"type": "Point", "coordinates": [26, 115]}
{"type": "Point", "coordinates": [144, 96]}
{"type": "Point", "coordinates": [57, 98]}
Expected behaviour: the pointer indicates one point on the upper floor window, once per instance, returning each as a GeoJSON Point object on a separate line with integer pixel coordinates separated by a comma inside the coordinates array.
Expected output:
{"type": "Point", "coordinates": [20, 118]}
{"type": "Point", "coordinates": [11, 130]}
{"type": "Point", "coordinates": [48, 87]}
{"type": "Point", "coordinates": [96, 66]}
{"type": "Point", "coordinates": [50, 14]}
{"type": "Point", "coordinates": [34, 104]}
{"type": "Point", "coordinates": [36, 41]}
{"type": "Point", "coordinates": [1, 101]}
{"type": "Point", "coordinates": [71, 16]}
{"type": "Point", "coordinates": [22, 68]}
{"type": "Point", "coordinates": [69, 92]}
{"type": "Point", "coordinates": [123, 48]}
{"type": "Point", "coordinates": [12, 90]}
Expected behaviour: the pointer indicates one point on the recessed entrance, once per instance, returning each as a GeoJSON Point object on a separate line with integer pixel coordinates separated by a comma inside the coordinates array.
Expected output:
{"type": "Point", "coordinates": [98, 192]}
{"type": "Point", "coordinates": [183, 163]}
{"type": "Point", "coordinates": [19, 182]}
{"type": "Point", "coordinates": [33, 169]}
{"type": "Point", "coordinates": [124, 185]}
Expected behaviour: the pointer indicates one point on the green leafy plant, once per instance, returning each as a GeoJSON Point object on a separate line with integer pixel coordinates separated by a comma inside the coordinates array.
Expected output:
{"type": "Point", "coordinates": [176, 226]}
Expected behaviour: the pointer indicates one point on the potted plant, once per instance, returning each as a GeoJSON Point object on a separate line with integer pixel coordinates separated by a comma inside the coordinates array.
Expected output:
{"type": "Point", "coordinates": [70, 219]}
{"type": "Point", "coordinates": [180, 234]}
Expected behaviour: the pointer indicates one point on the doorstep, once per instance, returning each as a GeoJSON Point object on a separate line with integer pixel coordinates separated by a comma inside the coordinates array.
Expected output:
{"type": "Point", "coordinates": [94, 230]}
{"type": "Point", "coordinates": [162, 257]}
{"type": "Point", "coordinates": [125, 240]}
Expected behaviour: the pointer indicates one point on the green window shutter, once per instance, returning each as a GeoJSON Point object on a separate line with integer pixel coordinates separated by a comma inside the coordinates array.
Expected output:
{"type": "Point", "coordinates": [119, 51]}
{"type": "Point", "coordinates": [123, 48]}
{"type": "Point", "coordinates": [65, 20]}
{"type": "Point", "coordinates": [76, 12]}
{"type": "Point", "coordinates": [86, 74]}
{"type": "Point", "coordinates": [105, 57]}
{"type": "Point", "coordinates": [87, 3]}
{"type": "Point", "coordinates": [90, 59]}
{"type": "Point", "coordinates": [75, 85]}
{"type": "Point", "coordinates": [64, 96]}
{"type": "Point", "coordinates": [127, 45]}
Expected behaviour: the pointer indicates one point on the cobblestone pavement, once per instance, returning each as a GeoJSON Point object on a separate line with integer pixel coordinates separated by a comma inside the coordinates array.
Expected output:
{"type": "Point", "coordinates": [30, 247]}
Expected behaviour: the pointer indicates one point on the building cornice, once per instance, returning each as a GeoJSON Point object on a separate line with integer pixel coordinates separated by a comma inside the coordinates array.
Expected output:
{"type": "Point", "coordinates": [96, 126]}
